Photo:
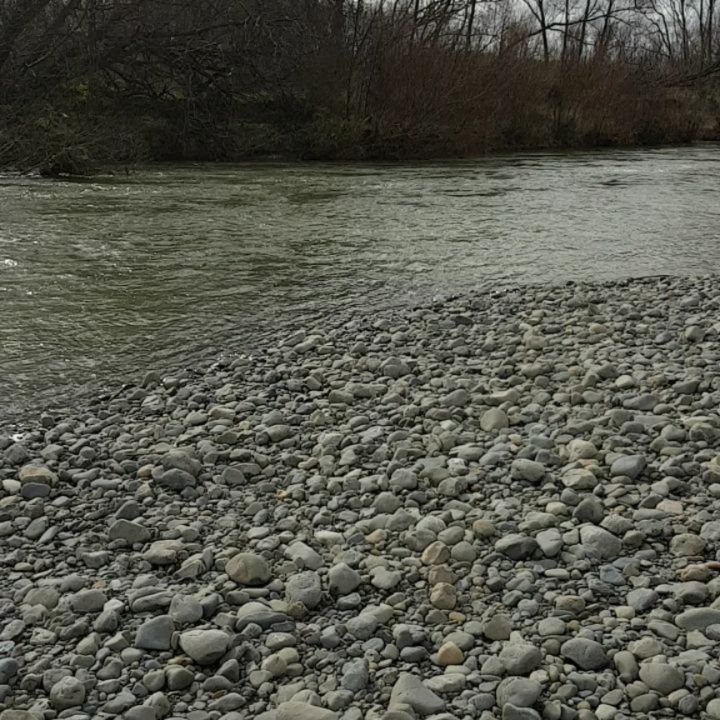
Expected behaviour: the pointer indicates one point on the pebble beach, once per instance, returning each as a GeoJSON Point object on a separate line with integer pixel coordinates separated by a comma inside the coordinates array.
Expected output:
{"type": "Point", "coordinates": [502, 505]}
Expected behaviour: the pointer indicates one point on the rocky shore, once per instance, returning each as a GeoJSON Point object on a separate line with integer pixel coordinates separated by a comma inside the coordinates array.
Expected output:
{"type": "Point", "coordinates": [495, 506]}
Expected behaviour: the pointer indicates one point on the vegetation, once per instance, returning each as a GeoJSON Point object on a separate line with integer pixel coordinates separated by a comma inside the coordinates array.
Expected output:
{"type": "Point", "coordinates": [87, 82]}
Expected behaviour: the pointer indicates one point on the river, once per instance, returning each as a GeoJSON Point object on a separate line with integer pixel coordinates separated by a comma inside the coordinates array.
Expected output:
{"type": "Point", "coordinates": [104, 279]}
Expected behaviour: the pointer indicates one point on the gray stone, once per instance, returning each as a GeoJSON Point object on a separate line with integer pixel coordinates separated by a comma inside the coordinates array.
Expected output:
{"type": "Point", "coordinates": [343, 579]}
{"type": "Point", "coordinates": [185, 609]}
{"type": "Point", "coordinates": [409, 691]}
{"type": "Point", "coordinates": [248, 569]}
{"type": "Point", "coordinates": [516, 547]}
{"type": "Point", "coordinates": [518, 691]}
{"type": "Point", "coordinates": [600, 543]}
{"type": "Point", "coordinates": [628, 465]}
{"type": "Point", "coordinates": [520, 658]}
{"type": "Point", "coordinates": [66, 693]}
{"type": "Point", "coordinates": [88, 601]}
{"type": "Point", "coordinates": [661, 677]}
{"type": "Point", "coordinates": [155, 634]}
{"type": "Point", "coordinates": [642, 599]}
{"type": "Point", "coordinates": [205, 647]}
{"type": "Point", "coordinates": [304, 587]}
{"type": "Point", "coordinates": [493, 419]}
{"type": "Point", "coordinates": [530, 470]}
{"type": "Point", "coordinates": [698, 618]}
{"type": "Point", "coordinates": [175, 479]}
{"type": "Point", "coordinates": [129, 531]}
{"type": "Point", "coordinates": [586, 654]}
{"type": "Point", "coordinates": [302, 711]}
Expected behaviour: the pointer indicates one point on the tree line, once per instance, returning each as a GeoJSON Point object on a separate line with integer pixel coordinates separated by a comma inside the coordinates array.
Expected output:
{"type": "Point", "coordinates": [90, 81]}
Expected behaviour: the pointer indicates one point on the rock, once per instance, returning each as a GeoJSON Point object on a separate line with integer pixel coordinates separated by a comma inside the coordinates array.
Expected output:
{"type": "Point", "coordinates": [177, 459]}
{"type": "Point", "coordinates": [529, 470]}
{"type": "Point", "coordinates": [302, 711]}
{"type": "Point", "coordinates": [516, 547]}
{"type": "Point", "coordinates": [586, 654]}
{"type": "Point", "coordinates": [661, 677]}
{"type": "Point", "coordinates": [343, 579]}
{"type": "Point", "coordinates": [713, 709]}
{"type": "Point", "coordinates": [642, 599]}
{"type": "Point", "coordinates": [66, 693]}
{"type": "Point", "coordinates": [409, 691]}
{"type": "Point", "coordinates": [305, 587]}
{"type": "Point", "coordinates": [518, 691]}
{"type": "Point", "coordinates": [37, 474]}
{"type": "Point", "coordinates": [630, 466]}
{"type": "Point", "coordinates": [493, 419]}
{"type": "Point", "coordinates": [304, 556]}
{"type": "Point", "coordinates": [176, 479]}
{"type": "Point", "coordinates": [205, 647]}
{"type": "Point", "coordinates": [355, 675]}
{"type": "Point", "coordinates": [456, 398]}
{"type": "Point", "coordinates": [520, 658]}
{"type": "Point", "coordinates": [498, 627]}
{"type": "Point", "coordinates": [155, 634]}
{"type": "Point", "coordinates": [88, 601]}
{"type": "Point", "coordinates": [443, 596]}
{"type": "Point", "coordinates": [449, 654]}
{"type": "Point", "coordinates": [600, 543]}
{"type": "Point", "coordinates": [698, 618]}
{"type": "Point", "coordinates": [129, 531]}
{"type": "Point", "coordinates": [687, 545]}
{"type": "Point", "coordinates": [248, 569]}
{"type": "Point", "coordinates": [512, 712]}
{"type": "Point", "coordinates": [163, 552]}
{"type": "Point", "coordinates": [185, 609]}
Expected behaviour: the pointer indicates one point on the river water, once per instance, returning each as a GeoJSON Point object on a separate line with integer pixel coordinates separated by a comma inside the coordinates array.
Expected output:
{"type": "Point", "coordinates": [102, 280]}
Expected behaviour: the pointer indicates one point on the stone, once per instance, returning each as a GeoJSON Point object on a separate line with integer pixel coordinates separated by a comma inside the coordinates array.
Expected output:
{"type": "Point", "coordinates": [529, 470]}
{"type": "Point", "coordinates": [205, 647]}
{"type": "Point", "coordinates": [176, 479]}
{"type": "Point", "coordinates": [408, 690]}
{"type": "Point", "coordinates": [642, 599]}
{"type": "Point", "coordinates": [37, 474]}
{"type": "Point", "coordinates": [443, 596]}
{"type": "Point", "coordinates": [516, 546]}
{"type": "Point", "coordinates": [248, 569]}
{"type": "Point", "coordinates": [302, 711]}
{"type": "Point", "coordinates": [493, 419]}
{"type": "Point", "coordinates": [449, 654]}
{"type": "Point", "coordinates": [66, 693]}
{"type": "Point", "coordinates": [155, 634]}
{"type": "Point", "coordinates": [661, 677]}
{"type": "Point", "coordinates": [520, 658]}
{"type": "Point", "coordinates": [305, 587]}
{"type": "Point", "coordinates": [343, 579]}
{"type": "Point", "coordinates": [518, 691]}
{"type": "Point", "coordinates": [163, 552]}
{"type": "Point", "coordinates": [129, 531]}
{"type": "Point", "coordinates": [185, 609]}
{"type": "Point", "coordinates": [88, 601]}
{"type": "Point", "coordinates": [600, 543]}
{"type": "Point", "coordinates": [630, 466]}
{"type": "Point", "coordinates": [713, 709]}
{"type": "Point", "coordinates": [586, 654]}
{"type": "Point", "coordinates": [698, 618]}
{"type": "Point", "coordinates": [687, 545]}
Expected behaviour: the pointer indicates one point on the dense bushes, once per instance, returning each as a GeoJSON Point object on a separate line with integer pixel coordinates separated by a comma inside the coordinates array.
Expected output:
{"type": "Point", "coordinates": [102, 81]}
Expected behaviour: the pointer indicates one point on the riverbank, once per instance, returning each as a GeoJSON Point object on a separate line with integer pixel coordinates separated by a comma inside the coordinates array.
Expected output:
{"type": "Point", "coordinates": [499, 504]}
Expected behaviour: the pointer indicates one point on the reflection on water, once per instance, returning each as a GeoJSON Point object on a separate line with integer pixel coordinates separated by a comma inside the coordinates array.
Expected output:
{"type": "Point", "coordinates": [103, 279]}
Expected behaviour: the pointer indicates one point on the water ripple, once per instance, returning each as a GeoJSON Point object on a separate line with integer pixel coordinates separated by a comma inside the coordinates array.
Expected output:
{"type": "Point", "coordinates": [102, 280]}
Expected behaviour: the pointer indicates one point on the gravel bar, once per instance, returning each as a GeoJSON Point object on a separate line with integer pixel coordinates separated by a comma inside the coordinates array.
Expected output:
{"type": "Point", "coordinates": [504, 505]}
